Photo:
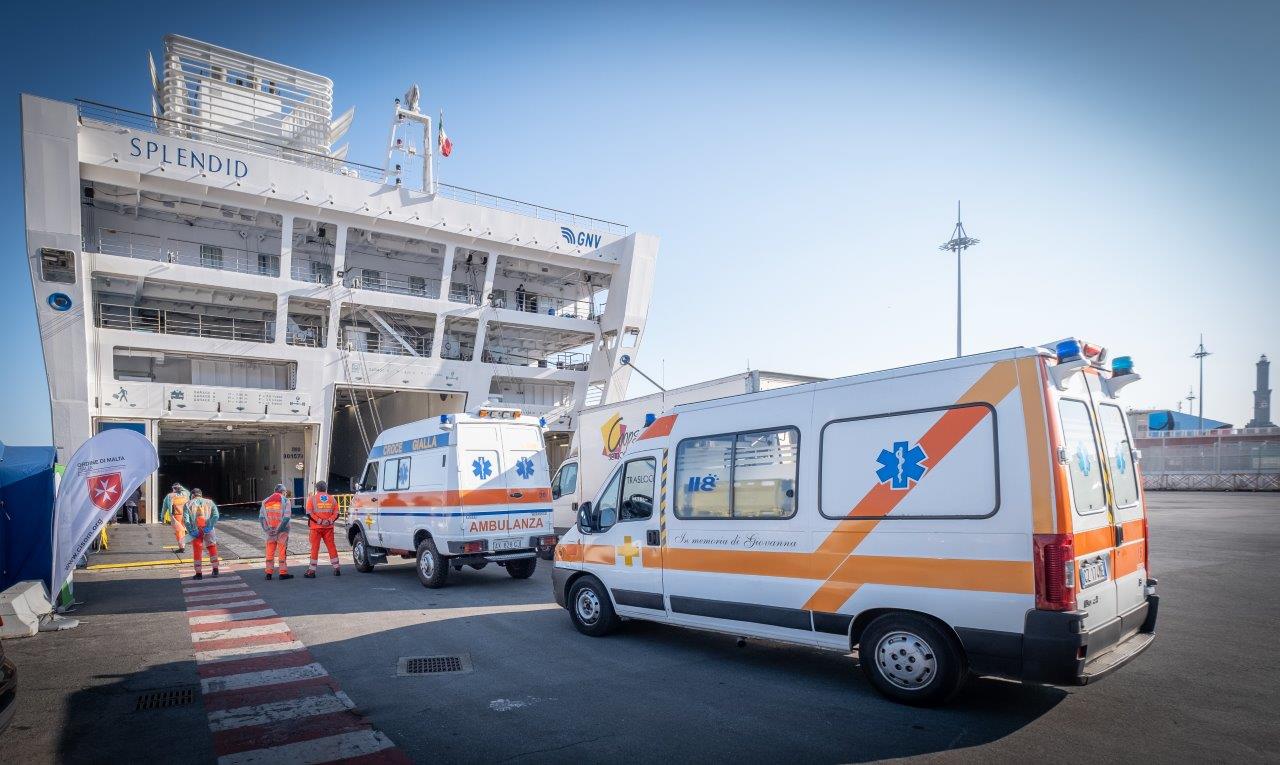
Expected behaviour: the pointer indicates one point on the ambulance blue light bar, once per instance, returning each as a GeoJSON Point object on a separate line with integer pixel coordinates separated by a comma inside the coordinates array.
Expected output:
{"type": "Point", "coordinates": [1122, 365]}
{"type": "Point", "coordinates": [1069, 350]}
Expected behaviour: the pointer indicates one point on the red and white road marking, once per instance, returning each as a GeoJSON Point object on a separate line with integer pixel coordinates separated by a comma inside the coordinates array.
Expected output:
{"type": "Point", "coordinates": [267, 698]}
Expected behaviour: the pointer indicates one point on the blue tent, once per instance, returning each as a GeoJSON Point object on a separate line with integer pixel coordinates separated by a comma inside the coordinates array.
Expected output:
{"type": "Point", "coordinates": [26, 514]}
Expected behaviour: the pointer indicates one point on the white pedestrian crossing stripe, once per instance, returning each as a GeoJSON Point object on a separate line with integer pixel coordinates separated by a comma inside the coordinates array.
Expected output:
{"type": "Point", "coordinates": [277, 711]}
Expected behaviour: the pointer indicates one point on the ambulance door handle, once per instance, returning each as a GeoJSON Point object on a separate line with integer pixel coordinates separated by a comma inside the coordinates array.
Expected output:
{"type": "Point", "coordinates": [1119, 527]}
{"type": "Point", "coordinates": [652, 538]}
{"type": "Point", "coordinates": [373, 499]}
{"type": "Point", "coordinates": [517, 494]}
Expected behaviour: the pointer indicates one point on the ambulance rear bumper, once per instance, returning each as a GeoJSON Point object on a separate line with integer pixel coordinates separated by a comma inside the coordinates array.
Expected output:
{"type": "Point", "coordinates": [1055, 649]}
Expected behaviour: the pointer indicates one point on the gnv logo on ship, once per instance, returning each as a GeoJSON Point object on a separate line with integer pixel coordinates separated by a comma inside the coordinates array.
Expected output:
{"type": "Point", "coordinates": [582, 238]}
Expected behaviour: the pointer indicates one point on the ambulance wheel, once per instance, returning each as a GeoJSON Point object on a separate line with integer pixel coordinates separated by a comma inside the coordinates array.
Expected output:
{"type": "Point", "coordinates": [590, 609]}
{"type": "Point", "coordinates": [433, 570]}
{"type": "Point", "coordinates": [911, 660]}
{"type": "Point", "coordinates": [360, 553]}
{"type": "Point", "coordinates": [522, 569]}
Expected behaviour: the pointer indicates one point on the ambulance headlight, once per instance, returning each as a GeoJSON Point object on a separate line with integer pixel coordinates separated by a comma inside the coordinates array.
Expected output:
{"type": "Point", "coordinates": [1122, 365]}
{"type": "Point", "coordinates": [1068, 350]}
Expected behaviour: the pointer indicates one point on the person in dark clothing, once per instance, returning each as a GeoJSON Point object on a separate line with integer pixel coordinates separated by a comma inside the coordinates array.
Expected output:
{"type": "Point", "coordinates": [131, 506]}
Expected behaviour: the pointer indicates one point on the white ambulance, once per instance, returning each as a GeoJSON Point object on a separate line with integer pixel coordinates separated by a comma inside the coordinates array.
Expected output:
{"type": "Point", "coordinates": [458, 490]}
{"type": "Point", "coordinates": [980, 515]}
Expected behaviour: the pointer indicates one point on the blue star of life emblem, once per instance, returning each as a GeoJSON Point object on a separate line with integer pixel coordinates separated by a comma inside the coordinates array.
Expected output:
{"type": "Point", "coordinates": [482, 468]}
{"type": "Point", "coordinates": [524, 467]}
{"type": "Point", "coordinates": [1082, 460]}
{"type": "Point", "coordinates": [902, 466]}
{"type": "Point", "coordinates": [1121, 465]}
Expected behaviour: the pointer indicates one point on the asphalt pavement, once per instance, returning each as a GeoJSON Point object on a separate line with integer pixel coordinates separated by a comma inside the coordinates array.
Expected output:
{"type": "Point", "coordinates": [533, 689]}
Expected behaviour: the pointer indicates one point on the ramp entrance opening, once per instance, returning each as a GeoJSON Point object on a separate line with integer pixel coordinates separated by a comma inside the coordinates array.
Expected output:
{"type": "Point", "coordinates": [360, 414]}
{"type": "Point", "coordinates": [235, 463]}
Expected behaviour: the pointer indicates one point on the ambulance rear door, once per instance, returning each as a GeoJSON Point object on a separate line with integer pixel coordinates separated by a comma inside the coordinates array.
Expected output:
{"type": "Point", "coordinates": [1092, 520]}
{"type": "Point", "coordinates": [482, 481]}
{"type": "Point", "coordinates": [528, 483]}
{"type": "Point", "coordinates": [1128, 558]}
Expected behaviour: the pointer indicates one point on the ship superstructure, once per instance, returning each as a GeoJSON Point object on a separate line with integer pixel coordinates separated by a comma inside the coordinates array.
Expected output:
{"type": "Point", "coordinates": [218, 276]}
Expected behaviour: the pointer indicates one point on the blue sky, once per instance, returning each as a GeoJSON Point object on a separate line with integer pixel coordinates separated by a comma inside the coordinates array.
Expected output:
{"type": "Point", "coordinates": [801, 163]}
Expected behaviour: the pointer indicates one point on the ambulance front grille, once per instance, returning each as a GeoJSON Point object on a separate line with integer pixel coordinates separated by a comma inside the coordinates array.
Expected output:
{"type": "Point", "coordinates": [434, 665]}
{"type": "Point", "coordinates": [163, 699]}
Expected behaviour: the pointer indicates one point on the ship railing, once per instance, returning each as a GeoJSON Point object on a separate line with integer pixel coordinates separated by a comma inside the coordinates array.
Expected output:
{"type": "Point", "coordinates": [185, 253]}
{"type": "Point", "coordinates": [311, 271]}
{"type": "Point", "coordinates": [400, 284]}
{"type": "Point", "coordinates": [464, 293]}
{"type": "Point", "coordinates": [307, 337]}
{"type": "Point", "coordinates": [391, 347]}
{"type": "Point", "coordinates": [551, 305]}
{"type": "Point", "coordinates": [572, 361]}
{"type": "Point", "coordinates": [169, 322]}
{"type": "Point", "coordinates": [92, 111]}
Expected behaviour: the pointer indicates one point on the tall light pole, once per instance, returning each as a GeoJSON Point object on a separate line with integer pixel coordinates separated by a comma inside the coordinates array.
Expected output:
{"type": "Point", "coordinates": [1199, 355]}
{"type": "Point", "coordinates": [959, 242]}
{"type": "Point", "coordinates": [1191, 400]}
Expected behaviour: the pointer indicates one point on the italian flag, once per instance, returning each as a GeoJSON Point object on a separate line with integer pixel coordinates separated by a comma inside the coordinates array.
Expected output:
{"type": "Point", "coordinates": [446, 145]}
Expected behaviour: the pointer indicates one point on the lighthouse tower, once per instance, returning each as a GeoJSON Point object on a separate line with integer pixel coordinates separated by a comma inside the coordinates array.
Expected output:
{"type": "Point", "coordinates": [1262, 397]}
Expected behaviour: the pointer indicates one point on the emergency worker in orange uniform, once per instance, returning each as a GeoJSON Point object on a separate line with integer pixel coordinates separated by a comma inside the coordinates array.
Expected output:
{"type": "Point", "coordinates": [322, 514]}
{"type": "Point", "coordinates": [174, 502]}
{"type": "Point", "coordinates": [274, 517]}
{"type": "Point", "coordinates": [200, 515]}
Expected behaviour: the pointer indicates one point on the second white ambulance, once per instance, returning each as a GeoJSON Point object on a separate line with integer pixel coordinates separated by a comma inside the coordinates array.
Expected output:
{"type": "Point", "coordinates": [976, 515]}
{"type": "Point", "coordinates": [458, 490]}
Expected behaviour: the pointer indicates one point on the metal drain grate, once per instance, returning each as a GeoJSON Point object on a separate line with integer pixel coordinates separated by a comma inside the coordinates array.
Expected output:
{"type": "Point", "coordinates": [170, 697]}
{"type": "Point", "coordinates": [434, 665]}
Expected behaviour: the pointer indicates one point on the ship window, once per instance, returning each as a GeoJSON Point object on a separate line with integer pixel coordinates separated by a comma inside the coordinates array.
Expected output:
{"type": "Point", "coordinates": [58, 266]}
{"type": "Point", "coordinates": [210, 256]}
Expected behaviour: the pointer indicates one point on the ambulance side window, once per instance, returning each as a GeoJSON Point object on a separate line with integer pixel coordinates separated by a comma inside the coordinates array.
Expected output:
{"type": "Point", "coordinates": [1082, 457]}
{"type": "Point", "coordinates": [389, 470]}
{"type": "Point", "coordinates": [370, 480]}
{"type": "Point", "coordinates": [637, 489]}
{"type": "Point", "coordinates": [608, 505]}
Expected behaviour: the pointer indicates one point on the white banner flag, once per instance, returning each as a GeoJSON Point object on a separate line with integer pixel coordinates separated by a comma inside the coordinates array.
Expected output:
{"type": "Point", "coordinates": [100, 476]}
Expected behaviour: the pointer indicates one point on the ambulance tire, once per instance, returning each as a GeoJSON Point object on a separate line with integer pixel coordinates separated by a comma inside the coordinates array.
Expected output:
{"type": "Point", "coordinates": [522, 569]}
{"type": "Point", "coordinates": [360, 552]}
{"type": "Point", "coordinates": [590, 608]}
{"type": "Point", "coordinates": [433, 569]}
{"type": "Point", "coordinates": [912, 660]}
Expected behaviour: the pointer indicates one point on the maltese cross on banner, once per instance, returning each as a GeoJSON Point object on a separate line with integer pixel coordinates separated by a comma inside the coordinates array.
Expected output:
{"type": "Point", "coordinates": [104, 490]}
{"type": "Point", "coordinates": [903, 466]}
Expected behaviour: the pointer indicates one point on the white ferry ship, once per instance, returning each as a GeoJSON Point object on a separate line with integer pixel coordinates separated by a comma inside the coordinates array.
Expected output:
{"type": "Point", "coordinates": [218, 276]}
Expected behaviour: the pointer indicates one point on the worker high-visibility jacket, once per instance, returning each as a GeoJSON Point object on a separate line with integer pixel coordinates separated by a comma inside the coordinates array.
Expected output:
{"type": "Point", "coordinates": [274, 515]}
{"type": "Point", "coordinates": [200, 516]}
{"type": "Point", "coordinates": [174, 502]}
{"type": "Point", "coordinates": [322, 509]}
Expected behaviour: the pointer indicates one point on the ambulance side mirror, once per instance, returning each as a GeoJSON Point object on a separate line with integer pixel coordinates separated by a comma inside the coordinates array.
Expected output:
{"type": "Point", "coordinates": [586, 518]}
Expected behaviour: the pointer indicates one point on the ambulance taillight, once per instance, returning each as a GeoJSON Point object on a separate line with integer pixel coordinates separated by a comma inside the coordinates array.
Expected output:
{"type": "Point", "coordinates": [1055, 572]}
